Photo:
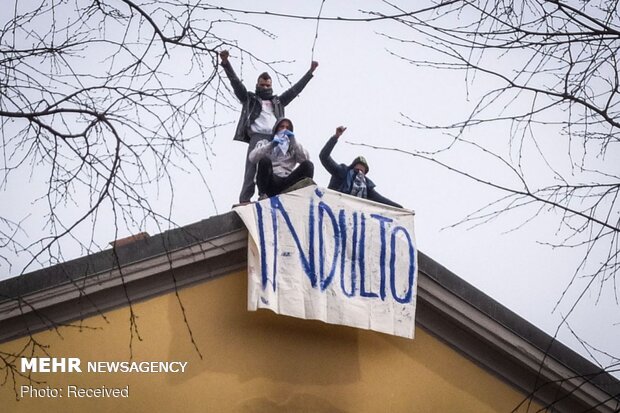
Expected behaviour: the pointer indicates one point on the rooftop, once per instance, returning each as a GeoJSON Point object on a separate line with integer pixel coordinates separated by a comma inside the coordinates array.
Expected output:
{"type": "Point", "coordinates": [448, 307]}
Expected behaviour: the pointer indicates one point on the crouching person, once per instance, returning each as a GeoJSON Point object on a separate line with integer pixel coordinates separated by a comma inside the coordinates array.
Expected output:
{"type": "Point", "coordinates": [351, 179]}
{"type": "Point", "coordinates": [277, 159]}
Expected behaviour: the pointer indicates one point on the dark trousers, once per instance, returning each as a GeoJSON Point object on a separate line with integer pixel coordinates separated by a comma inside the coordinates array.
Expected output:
{"type": "Point", "coordinates": [247, 188]}
{"type": "Point", "coordinates": [271, 184]}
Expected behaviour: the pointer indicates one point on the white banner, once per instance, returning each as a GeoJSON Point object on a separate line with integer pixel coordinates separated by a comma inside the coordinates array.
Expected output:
{"type": "Point", "coordinates": [319, 254]}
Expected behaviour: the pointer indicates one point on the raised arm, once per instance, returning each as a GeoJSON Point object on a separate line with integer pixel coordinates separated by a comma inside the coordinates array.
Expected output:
{"type": "Point", "coordinates": [240, 91]}
{"type": "Point", "coordinates": [290, 94]}
{"type": "Point", "coordinates": [325, 154]}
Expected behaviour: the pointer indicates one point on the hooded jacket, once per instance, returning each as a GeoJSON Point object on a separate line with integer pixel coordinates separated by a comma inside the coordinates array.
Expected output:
{"type": "Point", "coordinates": [283, 163]}
{"type": "Point", "coordinates": [341, 175]}
{"type": "Point", "coordinates": [252, 104]}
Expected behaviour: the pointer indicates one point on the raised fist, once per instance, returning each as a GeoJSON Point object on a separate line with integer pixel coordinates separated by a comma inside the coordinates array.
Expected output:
{"type": "Point", "coordinates": [340, 130]}
{"type": "Point", "coordinates": [224, 56]}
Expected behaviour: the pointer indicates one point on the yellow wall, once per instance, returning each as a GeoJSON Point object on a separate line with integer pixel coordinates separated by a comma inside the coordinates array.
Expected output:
{"type": "Point", "coordinates": [259, 362]}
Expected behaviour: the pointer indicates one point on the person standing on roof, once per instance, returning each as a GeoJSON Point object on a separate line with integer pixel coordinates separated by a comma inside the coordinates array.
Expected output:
{"type": "Point", "coordinates": [352, 179]}
{"type": "Point", "coordinates": [259, 112]}
{"type": "Point", "coordinates": [277, 158]}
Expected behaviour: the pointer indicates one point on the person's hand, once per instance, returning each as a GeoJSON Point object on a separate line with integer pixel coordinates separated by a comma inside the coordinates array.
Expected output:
{"type": "Point", "coordinates": [340, 130]}
{"type": "Point", "coordinates": [224, 56]}
{"type": "Point", "coordinates": [313, 66]}
{"type": "Point", "coordinates": [288, 133]}
{"type": "Point", "coordinates": [277, 139]}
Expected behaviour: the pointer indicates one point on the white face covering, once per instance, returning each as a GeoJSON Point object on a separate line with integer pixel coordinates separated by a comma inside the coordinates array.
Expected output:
{"type": "Point", "coordinates": [359, 188]}
{"type": "Point", "coordinates": [285, 141]}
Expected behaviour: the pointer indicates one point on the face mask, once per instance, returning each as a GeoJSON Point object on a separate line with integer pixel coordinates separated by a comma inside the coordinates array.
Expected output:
{"type": "Point", "coordinates": [358, 188]}
{"type": "Point", "coordinates": [284, 141]}
{"type": "Point", "coordinates": [264, 93]}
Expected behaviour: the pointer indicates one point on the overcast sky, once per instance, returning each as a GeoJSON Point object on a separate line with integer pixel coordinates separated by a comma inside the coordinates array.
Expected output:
{"type": "Point", "coordinates": [359, 84]}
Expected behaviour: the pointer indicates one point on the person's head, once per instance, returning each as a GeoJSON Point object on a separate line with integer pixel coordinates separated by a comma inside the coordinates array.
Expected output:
{"type": "Point", "coordinates": [282, 124]}
{"type": "Point", "coordinates": [263, 82]}
{"type": "Point", "coordinates": [360, 164]}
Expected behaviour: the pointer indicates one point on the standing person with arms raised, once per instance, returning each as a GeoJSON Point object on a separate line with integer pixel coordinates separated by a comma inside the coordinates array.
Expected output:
{"type": "Point", "coordinates": [259, 113]}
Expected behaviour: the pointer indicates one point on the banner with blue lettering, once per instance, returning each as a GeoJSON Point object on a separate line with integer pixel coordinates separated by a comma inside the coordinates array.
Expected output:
{"type": "Point", "coordinates": [319, 254]}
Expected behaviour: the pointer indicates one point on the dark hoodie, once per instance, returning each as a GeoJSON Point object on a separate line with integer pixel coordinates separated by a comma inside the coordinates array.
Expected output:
{"type": "Point", "coordinates": [283, 163]}
{"type": "Point", "coordinates": [342, 175]}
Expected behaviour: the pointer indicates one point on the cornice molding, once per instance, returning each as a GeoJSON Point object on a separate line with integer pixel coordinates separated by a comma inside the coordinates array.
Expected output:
{"type": "Point", "coordinates": [516, 360]}
{"type": "Point", "coordinates": [41, 309]}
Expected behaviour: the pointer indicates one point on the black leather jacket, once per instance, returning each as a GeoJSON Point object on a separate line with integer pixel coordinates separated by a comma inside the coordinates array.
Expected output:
{"type": "Point", "coordinates": [252, 105]}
